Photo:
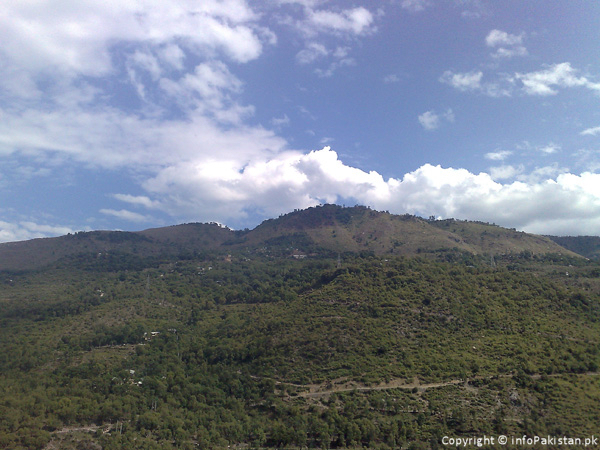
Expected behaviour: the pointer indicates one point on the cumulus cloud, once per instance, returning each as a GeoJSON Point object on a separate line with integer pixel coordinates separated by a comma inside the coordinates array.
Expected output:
{"type": "Point", "coordinates": [467, 81]}
{"type": "Point", "coordinates": [506, 45]}
{"type": "Point", "coordinates": [472, 82]}
{"type": "Point", "coordinates": [355, 21]}
{"type": "Point", "coordinates": [72, 49]}
{"type": "Point", "coordinates": [591, 131]}
{"type": "Point", "coordinates": [497, 38]}
{"type": "Point", "coordinates": [545, 82]}
{"type": "Point", "coordinates": [430, 120]}
{"type": "Point", "coordinates": [499, 155]}
{"type": "Point", "coordinates": [542, 83]}
{"type": "Point", "coordinates": [73, 38]}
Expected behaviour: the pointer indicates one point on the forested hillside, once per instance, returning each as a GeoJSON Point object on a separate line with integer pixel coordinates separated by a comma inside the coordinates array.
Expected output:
{"type": "Point", "coordinates": [271, 347]}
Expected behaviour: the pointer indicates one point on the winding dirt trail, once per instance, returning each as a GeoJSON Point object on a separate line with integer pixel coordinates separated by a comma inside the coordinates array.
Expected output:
{"type": "Point", "coordinates": [323, 390]}
{"type": "Point", "coordinates": [317, 391]}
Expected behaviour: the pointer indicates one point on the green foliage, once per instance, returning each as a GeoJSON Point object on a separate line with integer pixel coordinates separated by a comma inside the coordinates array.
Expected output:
{"type": "Point", "coordinates": [263, 350]}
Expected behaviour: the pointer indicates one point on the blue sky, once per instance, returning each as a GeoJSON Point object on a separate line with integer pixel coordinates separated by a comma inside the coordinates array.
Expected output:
{"type": "Point", "coordinates": [137, 114]}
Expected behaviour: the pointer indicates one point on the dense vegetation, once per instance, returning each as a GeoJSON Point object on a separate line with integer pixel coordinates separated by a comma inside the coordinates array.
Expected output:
{"type": "Point", "coordinates": [275, 347]}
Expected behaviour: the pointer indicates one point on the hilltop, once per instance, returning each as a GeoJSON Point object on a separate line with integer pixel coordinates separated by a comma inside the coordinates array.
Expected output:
{"type": "Point", "coordinates": [327, 228]}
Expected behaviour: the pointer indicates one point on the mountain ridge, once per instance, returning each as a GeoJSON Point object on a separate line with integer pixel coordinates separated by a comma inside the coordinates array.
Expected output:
{"type": "Point", "coordinates": [329, 228]}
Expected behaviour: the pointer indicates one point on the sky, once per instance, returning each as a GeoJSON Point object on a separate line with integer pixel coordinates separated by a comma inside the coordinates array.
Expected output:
{"type": "Point", "coordinates": [135, 114]}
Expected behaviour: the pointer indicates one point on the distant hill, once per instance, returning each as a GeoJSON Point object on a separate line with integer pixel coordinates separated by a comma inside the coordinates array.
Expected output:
{"type": "Point", "coordinates": [167, 241]}
{"type": "Point", "coordinates": [588, 246]}
{"type": "Point", "coordinates": [324, 228]}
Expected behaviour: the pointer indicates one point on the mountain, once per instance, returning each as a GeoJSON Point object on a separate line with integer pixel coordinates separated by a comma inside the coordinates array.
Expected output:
{"type": "Point", "coordinates": [330, 327]}
{"type": "Point", "coordinates": [325, 228]}
{"type": "Point", "coordinates": [168, 241]}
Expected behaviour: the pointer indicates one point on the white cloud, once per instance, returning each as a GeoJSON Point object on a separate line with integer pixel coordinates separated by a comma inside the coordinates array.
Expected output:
{"type": "Point", "coordinates": [429, 120]}
{"type": "Point", "coordinates": [472, 82]}
{"type": "Point", "coordinates": [60, 38]}
{"type": "Point", "coordinates": [127, 215]}
{"type": "Point", "coordinates": [415, 5]}
{"type": "Point", "coordinates": [505, 172]}
{"type": "Point", "coordinates": [355, 21]}
{"type": "Point", "coordinates": [510, 52]}
{"type": "Point", "coordinates": [21, 231]}
{"type": "Point", "coordinates": [497, 38]}
{"type": "Point", "coordinates": [311, 53]}
{"type": "Point", "coordinates": [208, 90]}
{"type": "Point", "coordinates": [59, 45]}
{"type": "Point", "coordinates": [545, 82]}
{"type": "Point", "coordinates": [549, 206]}
{"type": "Point", "coordinates": [507, 45]}
{"type": "Point", "coordinates": [499, 155]}
{"type": "Point", "coordinates": [113, 139]}
{"type": "Point", "coordinates": [591, 131]}
{"type": "Point", "coordinates": [138, 200]}
{"type": "Point", "coordinates": [468, 81]}
{"type": "Point", "coordinates": [550, 149]}
{"type": "Point", "coordinates": [318, 25]}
